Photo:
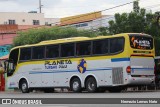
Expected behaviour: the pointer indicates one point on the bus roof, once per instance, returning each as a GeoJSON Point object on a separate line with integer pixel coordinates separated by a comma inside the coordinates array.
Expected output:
{"type": "Point", "coordinates": [74, 39]}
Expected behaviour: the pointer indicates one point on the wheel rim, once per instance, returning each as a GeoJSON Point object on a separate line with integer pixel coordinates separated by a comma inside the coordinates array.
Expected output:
{"type": "Point", "coordinates": [75, 85]}
{"type": "Point", "coordinates": [91, 86]}
{"type": "Point", "coordinates": [24, 86]}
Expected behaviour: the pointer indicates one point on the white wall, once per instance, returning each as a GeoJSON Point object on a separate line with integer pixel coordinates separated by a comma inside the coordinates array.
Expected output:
{"type": "Point", "coordinates": [52, 21]}
{"type": "Point", "coordinates": [21, 18]}
{"type": "Point", "coordinates": [94, 24]}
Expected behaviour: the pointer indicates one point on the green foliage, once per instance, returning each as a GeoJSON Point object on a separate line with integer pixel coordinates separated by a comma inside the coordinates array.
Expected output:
{"type": "Point", "coordinates": [137, 21]}
{"type": "Point", "coordinates": [103, 31]}
{"type": "Point", "coordinates": [136, 6]}
{"type": "Point", "coordinates": [157, 45]}
{"type": "Point", "coordinates": [37, 35]}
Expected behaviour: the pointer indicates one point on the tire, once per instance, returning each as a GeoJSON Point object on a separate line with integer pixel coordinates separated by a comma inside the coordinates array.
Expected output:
{"type": "Point", "coordinates": [76, 85]}
{"type": "Point", "coordinates": [91, 85]}
{"type": "Point", "coordinates": [24, 86]}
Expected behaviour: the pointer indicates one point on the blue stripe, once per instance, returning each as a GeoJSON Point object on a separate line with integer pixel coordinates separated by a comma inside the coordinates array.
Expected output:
{"type": "Point", "coordinates": [119, 59]}
{"type": "Point", "coordinates": [142, 68]}
{"type": "Point", "coordinates": [100, 69]}
{"type": "Point", "coordinates": [39, 72]}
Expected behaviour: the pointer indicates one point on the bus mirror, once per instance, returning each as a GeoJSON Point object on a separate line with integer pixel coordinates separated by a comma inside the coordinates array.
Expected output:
{"type": "Point", "coordinates": [5, 66]}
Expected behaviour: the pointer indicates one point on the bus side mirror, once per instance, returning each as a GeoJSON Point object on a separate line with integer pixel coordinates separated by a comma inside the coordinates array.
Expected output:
{"type": "Point", "coordinates": [5, 66]}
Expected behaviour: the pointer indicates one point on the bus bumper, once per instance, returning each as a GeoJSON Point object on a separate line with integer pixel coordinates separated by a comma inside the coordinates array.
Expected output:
{"type": "Point", "coordinates": [141, 80]}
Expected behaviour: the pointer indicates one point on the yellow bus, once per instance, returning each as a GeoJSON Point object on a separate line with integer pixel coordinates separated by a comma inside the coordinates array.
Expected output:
{"type": "Point", "coordinates": [81, 63]}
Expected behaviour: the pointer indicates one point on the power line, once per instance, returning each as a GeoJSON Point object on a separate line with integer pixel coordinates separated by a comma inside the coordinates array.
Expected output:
{"type": "Point", "coordinates": [117, 6]}
{"type": "Point", "coordinates": [96, 12]}
{"type": "Point", "coordinates": [90, 13]}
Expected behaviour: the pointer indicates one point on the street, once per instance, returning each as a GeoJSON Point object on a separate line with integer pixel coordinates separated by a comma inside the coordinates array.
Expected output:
{"type": "Point", "coordinates": [128, 94]}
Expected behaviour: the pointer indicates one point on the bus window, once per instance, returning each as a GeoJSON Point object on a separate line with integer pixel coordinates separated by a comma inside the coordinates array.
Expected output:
{"type": "Point", "coordinates": [67, 50]}
{"type": "Point", "coordinates": [52, 51]}
{"type": "Point", "coordinates": [100, 46]}
{"type": "Point", "coordinates": [12, 62]}
{"type": "Point", "coordinates": [83, 48]}
{"type": "Point", "coordinates": [141, 42]}
{"type": "Point", "coordinates": [116, 45]}
{"type": "Point", "coordinates": [25, 54]}
{"type": "Point", "coordinates": [38, 53]}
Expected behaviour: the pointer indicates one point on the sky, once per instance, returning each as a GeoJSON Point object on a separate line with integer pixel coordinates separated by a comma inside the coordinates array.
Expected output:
{"type": "Point", "coordinates": [64, 8]}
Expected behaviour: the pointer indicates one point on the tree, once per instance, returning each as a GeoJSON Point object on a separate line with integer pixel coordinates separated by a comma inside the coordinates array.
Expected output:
{"type": "Point", "coordinates": [137, 21]}
{"type": "Point", "coordinates": [136, 6]}
{"type": "Point", "coordinates": [37, 35]}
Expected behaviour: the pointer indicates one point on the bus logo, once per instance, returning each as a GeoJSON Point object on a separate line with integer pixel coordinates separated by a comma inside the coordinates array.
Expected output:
{"type": "Point", "coordinates": [82, 65]}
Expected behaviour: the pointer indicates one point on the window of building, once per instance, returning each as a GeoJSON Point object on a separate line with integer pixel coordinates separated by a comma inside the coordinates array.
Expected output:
{"type": "Point", "coordinates": [5, 22]}
{"type": "Point", "coordinates": [36, 22]}
{"type": "Point", "coordinates": [67, 50]}
{"type": "Point", "coordinates": [78, 25]}
{"type": "Point", "coordinates": [38, 52]}
{"type": "Point", "coordinates": [100, 46]}
{"type": "Point", "coordinates": [83, 48]}
{"type": "Point", "coordinates": [12, 22]}
{"type": "Point", "coordinates": [52, 51]}
{"type": "Point", "coordinates": [25, 54]}
{"type": "Point", "coordinates": [116, 45]}
{"type": "Point", "coordinates": [83, 24]}
{"type": "Point", "coordinates": [23, 20]}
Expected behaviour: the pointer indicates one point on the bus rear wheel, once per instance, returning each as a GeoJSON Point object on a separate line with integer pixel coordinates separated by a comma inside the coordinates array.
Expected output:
{"type": "Point", "coordinates": [76, 85]}
{"type": "Point", "coordinates": [91, 85]}
{"type": "Point", "coordinates": [24, 86]}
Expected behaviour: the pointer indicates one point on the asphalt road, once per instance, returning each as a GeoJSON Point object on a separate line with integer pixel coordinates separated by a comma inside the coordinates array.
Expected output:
{"type": "Point", "coordinates": [38, 94]}
{"type": "Point", "coordinates": [128, 94]}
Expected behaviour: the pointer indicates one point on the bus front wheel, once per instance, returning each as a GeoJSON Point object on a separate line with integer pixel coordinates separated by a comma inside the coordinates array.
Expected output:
{"type": "Point", "coordinates": [24, 86]}
{"type": "Point", "coordinates": [76, 85]}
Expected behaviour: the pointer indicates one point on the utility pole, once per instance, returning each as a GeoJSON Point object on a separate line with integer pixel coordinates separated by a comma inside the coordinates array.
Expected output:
{"type": "Point", "coordinates": [40, 6]}
{"type": "Point", "coordinates": [158, 18]}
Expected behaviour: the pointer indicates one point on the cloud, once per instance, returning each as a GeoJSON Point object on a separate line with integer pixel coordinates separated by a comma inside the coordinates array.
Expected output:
{"type": "Point", "coordinates": [69, 8]}
{"type": "Point", "coordinates": [63, 8]}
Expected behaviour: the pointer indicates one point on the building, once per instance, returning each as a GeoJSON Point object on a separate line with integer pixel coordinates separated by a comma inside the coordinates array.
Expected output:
{"type": "Point", "coordinates": [22, 18]}
{"type": "Point", "coordinates": [12, 22]}
{"type": "Point", "coordinates": [52, 21]}
{"type": "Point", "coordinates": [87, 21]}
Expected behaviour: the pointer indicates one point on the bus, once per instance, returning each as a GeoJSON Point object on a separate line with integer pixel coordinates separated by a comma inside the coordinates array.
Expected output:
{"type": "Point", "coordinates": [82, 63]}
{"type": "Point", "coordinates": [157, 72]}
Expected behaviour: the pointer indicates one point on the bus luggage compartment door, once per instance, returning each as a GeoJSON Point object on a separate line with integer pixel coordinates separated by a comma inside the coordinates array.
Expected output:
{"type": "Point", "coordinates": [142, 66]}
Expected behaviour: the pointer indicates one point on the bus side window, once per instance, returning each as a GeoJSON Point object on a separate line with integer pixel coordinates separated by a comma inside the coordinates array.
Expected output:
{"type": "Point", "coordinates": [38, 52]}
{"type": "Point", "coordinates": [67, 50]}
{"type": "Point", "coordinates": [52, 51]}
{"type": "Point", "coordinates": [116, 45]}
{"type": "Point", "coordinates": [100, 46]}
{"type": "Point", "coordinates": [25, 54]}
{"type": "Point", "coordinates": [83, 48]}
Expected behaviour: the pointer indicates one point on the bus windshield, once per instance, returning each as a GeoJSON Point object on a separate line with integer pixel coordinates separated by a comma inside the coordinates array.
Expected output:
{"type": "Point", "coordinates": [141, 42]}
